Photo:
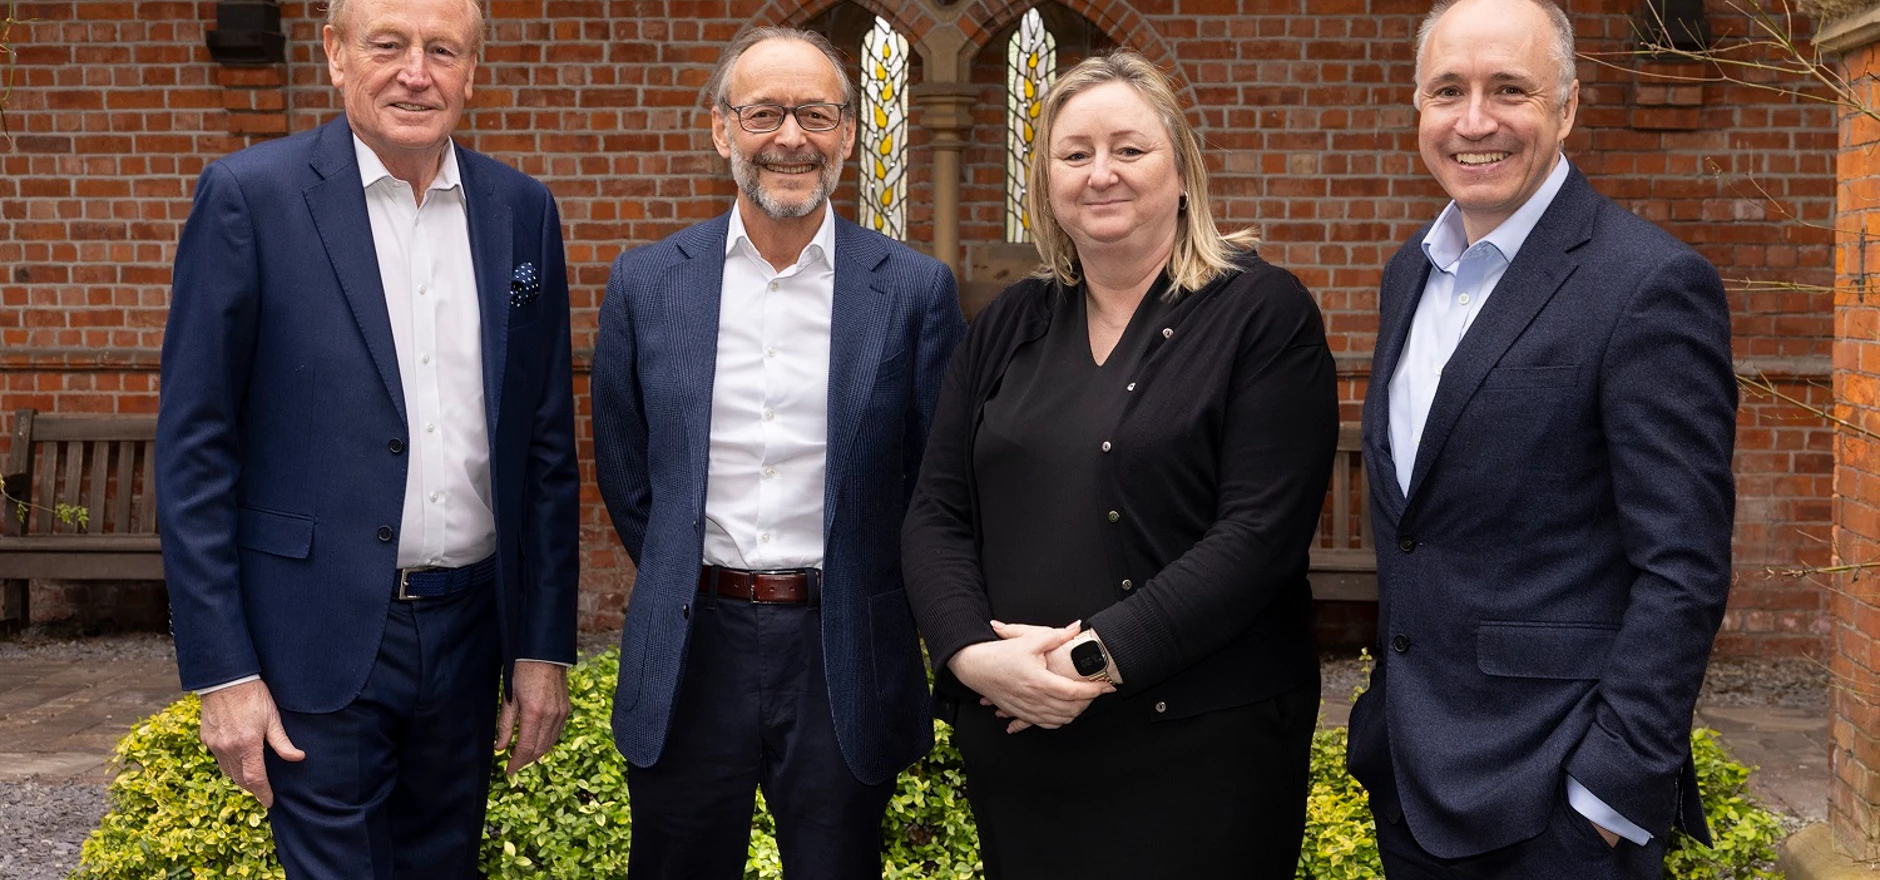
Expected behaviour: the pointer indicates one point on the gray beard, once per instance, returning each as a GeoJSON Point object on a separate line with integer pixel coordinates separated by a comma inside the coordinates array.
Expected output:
{"type": "Point", "coordinates": [746, 173]}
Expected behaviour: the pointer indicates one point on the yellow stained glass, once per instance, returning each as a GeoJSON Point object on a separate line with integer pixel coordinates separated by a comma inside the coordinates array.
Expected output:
{"type": "Point", "coordinates": [1031, 65]}
{"type": "Point", "coordinates": [883, 204]}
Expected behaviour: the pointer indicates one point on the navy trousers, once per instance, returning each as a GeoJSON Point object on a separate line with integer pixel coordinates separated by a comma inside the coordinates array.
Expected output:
{"type": "Point", "coordinates": [1569, 848]}
{"type": "Point", "coordinates": [753, 710]}
{"type": "Point", "coordinates": [394, 785]}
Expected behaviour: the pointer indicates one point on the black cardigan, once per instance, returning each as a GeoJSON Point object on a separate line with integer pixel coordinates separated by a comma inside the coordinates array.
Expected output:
{"type": "Point", "coordinates": [1217, 474]}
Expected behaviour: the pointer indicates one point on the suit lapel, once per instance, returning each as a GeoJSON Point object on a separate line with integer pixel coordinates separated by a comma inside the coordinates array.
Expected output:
{"type": "Point", "coordinates": [858, 327]}
{"type": "Point", "coordinates": [338, 205]}
{"type": "Point", "coordinates": [1401, 290]}
{"type": "Point", "coordinates": [492, 243]}
{"type": "Point", "coordinates": [692, 290]}
{"type": "Point", "coordinates": [1542, 266]}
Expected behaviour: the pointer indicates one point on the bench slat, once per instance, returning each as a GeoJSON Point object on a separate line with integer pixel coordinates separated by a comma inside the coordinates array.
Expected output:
{"type": "Point", "coordinates": [81, 565]}
{"type": "Point", "coordinates": [121, 504]}
{"type": "Point", "coordinates": [54, 428]}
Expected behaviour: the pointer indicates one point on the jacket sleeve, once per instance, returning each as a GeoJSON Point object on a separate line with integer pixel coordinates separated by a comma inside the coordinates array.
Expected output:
{"type": "Point", "coordinates": [620, 436]}
{"type": "Point", "coordinates": [1274, 461]}
{"type": "Point", "coordinates": [1668, 402]}
{"type": "Point", "coordinates": [208, 349]}
{"type": "Point", "coordinates": [551, 521]}
{"type": "Point", "coordinates": [940, 328]}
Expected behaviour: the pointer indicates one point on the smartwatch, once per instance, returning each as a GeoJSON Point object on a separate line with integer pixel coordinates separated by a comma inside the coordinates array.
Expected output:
{"type": "Point", "coordinates": [1090, 660]}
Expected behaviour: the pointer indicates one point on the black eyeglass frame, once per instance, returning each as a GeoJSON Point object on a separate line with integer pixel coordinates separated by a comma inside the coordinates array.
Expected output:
{"type": "Point", "coordinates": [737, 111]}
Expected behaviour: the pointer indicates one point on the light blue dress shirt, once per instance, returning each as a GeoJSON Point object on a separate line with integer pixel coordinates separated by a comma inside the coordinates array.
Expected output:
{"type": "Point", "coordinates": [1462, 278]}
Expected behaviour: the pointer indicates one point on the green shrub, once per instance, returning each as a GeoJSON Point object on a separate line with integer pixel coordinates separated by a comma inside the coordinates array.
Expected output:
{"type": "Point", "coordinates": [173, 814]}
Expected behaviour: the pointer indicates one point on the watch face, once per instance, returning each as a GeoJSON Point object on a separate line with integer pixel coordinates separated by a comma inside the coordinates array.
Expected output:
{"type": "Point", "coordinates": [1088, 658]}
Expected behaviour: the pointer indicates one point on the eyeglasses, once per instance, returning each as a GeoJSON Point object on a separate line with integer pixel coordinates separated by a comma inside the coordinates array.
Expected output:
{"type": "Point", "coordinates": [765, 118]}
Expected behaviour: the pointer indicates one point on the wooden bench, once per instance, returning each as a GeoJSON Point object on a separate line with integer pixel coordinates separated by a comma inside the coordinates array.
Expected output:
{"type": "Point", "coordinates": [101, 463]}
{"type": "Point", "coordinates": [1344, 559]}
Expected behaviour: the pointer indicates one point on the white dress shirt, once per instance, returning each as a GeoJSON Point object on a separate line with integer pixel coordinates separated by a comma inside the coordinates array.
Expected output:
{"type": "Point", "coordinates": [431, 296]}
{"type": "Point", "coordinates": [770, 406]}
{"type": "Point", "coordinates": [1462, 276]}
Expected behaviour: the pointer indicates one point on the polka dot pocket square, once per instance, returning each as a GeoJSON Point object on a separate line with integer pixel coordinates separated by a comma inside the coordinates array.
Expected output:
{"type": "Point", "coordinates": [525, 286]}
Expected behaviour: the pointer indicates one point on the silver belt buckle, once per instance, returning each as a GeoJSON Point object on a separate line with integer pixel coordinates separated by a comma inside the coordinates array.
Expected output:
{"type": "Point", "coordinates": [404, 583]}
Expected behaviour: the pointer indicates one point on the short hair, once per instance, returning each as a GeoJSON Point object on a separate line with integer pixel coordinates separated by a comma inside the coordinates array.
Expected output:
{"type": "Point", "coordinates": [1202, 253]}
{"type": "Point", "coordinates": [336, 10]}
{"type": "Point", "coordinates": [1562, 49]}
{"type": "Point", "coordinates": [718, 88]}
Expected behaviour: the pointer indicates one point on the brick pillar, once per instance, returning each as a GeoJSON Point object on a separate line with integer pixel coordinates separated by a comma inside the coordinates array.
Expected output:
{"type": "Point", "coordinates": [1854, 797]}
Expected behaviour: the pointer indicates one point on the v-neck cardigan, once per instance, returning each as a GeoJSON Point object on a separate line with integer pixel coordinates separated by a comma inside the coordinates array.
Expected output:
{"type": "Point", "coordinates": [1214, 478]}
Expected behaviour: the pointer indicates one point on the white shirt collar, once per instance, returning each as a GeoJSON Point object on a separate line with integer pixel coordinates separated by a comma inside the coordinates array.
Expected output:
{"type": "Point", "coordinates": [371, 170]}
{"type": "Point", "coordinates": [1446, 241]}
{"type": "Point", "coordinates": [821, 247]}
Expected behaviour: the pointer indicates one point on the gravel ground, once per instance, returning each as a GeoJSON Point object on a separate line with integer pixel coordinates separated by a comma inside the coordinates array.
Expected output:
{"type": "Point", "coordinates": [42, 825]}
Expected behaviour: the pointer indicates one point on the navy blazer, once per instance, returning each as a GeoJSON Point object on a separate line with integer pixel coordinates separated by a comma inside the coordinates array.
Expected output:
{"type": "Point", "coordinates": [895, 321]}
{"type": "Point", "coordinates": [1551, 585]}
{"type": "Point", "coordinates": [281, 431]}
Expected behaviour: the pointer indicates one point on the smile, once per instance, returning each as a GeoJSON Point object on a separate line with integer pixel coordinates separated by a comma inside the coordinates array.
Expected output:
{"type": "Point", "coordinates": [790, 169]}
{"type": "Point", "coordinates": [1481, 158]}
{"type": "Point", "coordinates": [415, 108]}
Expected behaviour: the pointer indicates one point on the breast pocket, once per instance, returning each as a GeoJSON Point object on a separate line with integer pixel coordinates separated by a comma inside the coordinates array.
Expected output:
{"type": "Point", "coordinates": [1544, 650]}
{"type": "Point", "coordinates": [1528, 378]}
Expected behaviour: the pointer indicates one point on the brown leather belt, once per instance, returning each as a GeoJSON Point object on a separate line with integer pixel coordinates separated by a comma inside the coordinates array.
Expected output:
{"type": "Point", "coordinates": [794, 586]}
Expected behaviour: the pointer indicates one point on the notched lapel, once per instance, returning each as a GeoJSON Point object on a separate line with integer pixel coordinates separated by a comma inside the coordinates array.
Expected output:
{"type": "Point", "coordinates": [691, 289]}
{"type": "Point", "coordinates": [1400, 293]}
{"type": "Point", "coordinates": [858, 328]}
{"type": "Point", "coordinates": [492, 254]}
{"type": "Point", "coordinates": [338, 206]}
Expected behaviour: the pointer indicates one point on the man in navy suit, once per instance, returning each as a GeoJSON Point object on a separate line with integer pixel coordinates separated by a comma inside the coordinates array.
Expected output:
{"type": "Point", "coordinates": [763, 386]}
{"type": "Point", "coordinates": [365, 461]}
{"type": "Point", "coordinates": [1548, 433]}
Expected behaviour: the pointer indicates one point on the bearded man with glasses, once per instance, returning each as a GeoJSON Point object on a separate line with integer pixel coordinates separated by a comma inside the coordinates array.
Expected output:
{"type": "Point", "coordinates": [763, 384]}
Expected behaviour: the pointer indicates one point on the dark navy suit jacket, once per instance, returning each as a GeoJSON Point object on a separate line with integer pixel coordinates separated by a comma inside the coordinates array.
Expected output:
{"type": "Point", "coordinates": [1550, 587]}
{"type": "Point", "coordinates": [282, 440]}
{"type": "Point", "coordinates": [895, 321]}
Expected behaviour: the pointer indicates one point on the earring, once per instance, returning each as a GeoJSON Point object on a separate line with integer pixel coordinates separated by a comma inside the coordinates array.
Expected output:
{"type": "Point", "coordinates": [1183, 204]}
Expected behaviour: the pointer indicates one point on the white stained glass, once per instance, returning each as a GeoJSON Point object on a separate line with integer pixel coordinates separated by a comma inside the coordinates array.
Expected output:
{"type": "Point", "coordinates": [1030, 65]}
{"type": "Point", "coordinates": [884, 131]}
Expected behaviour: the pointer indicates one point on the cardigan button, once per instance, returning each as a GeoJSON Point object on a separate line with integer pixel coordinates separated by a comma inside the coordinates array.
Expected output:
{"type": "Point", "coordinates": [1114, 516]}
{"type": "Point", "coordinates": [1161, 707]}
{"type": "Point", "coordinates": [1130, 387]}
{"type": "Point", "coordinates": [1167, 332]}
{"type": "Point", "coordinates": [1128, 584]}
{"type": "Point", "coordinates": [1106, 446]}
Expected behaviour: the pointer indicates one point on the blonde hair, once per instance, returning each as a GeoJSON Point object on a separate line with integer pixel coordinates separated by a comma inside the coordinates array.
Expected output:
{"type": "Point", "coordinates": [1202, 252]}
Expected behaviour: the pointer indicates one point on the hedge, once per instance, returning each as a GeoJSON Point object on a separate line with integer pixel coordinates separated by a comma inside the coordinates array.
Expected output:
{"type": "Point", "coordinates": [173, 814]}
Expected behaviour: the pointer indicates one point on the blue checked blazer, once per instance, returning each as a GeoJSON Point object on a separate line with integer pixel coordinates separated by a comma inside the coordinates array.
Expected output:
{"type": "Point", "coordinates": [895, 321]}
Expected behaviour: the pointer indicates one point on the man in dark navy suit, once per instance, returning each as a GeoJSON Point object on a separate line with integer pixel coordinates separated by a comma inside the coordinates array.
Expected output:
{"type": "Point", "coordinates": [366, 467]}
{"type": "Point", "coordinates": [1548, 433]}
{"type": "Point", "coordinates": [763, 386]}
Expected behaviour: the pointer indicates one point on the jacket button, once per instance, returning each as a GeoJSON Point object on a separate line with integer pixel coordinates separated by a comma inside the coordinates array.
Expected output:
{"type": "Point", "coordinates": [1161, 707]}
{"type": "Point", "coordinates": [685, 611]}
{"type": "Point", "coordinates": [385, 533]}
{"type": "Point", "coordinates": [1114, 516]}
{"type": "Point", "coordinates": [1400, 643]}
{"type": "Point", "coordinates": [1407, 544]}
{"type": "Point", "coordinates": [396, 446]}
{"type": "Point", "coordinates": [1128, 584]}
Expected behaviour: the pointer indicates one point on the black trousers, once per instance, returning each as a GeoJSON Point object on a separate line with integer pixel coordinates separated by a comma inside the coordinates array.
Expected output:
{"type": "Point", "coordinates": [753, 710]}
{"type": "Point", "coordinates": [1569, 848]}
{"type": "Point", "coordinates": [394, 785]}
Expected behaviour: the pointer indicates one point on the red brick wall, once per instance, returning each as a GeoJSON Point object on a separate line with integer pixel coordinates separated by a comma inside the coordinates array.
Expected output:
{"type": "Point", "coordinates": [1854, 657]}
{"type": "Point", "coordinates": [117, 107]}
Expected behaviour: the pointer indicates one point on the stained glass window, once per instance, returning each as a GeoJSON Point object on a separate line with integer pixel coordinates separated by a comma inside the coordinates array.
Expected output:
{"type": "Point", "coordinates": [1031, 65]}
{"type": "Point", "coordinates": [884, 131]}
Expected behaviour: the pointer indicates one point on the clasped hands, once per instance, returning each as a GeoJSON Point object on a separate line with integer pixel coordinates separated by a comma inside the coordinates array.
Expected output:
{"type": "Point", "coordinates": [1027, 675]}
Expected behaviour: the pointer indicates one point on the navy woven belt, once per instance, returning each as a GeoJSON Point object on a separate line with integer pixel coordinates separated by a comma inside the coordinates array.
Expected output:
{"type": "Point", "coordinates": [432, 583]}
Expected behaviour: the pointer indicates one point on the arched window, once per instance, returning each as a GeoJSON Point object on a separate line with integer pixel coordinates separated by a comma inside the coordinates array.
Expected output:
{"type": "Point", "coordinates": [1030, 67]}
{"type": "Point", "coordinates": [883, 173]}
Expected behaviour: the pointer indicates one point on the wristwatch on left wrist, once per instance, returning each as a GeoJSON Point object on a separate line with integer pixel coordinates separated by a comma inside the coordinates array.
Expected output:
{"type": "Point", "coordinates": [1090, 659]}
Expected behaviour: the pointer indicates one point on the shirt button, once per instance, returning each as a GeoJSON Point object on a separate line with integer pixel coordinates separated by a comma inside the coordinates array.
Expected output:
{"type": "Point", "coordinates": [430, 428]}
{"type": "Point", "coordinates": [1161, 707]}
{"type": "Point", "coordinates": [770, 472]}
{"type": "Point", "coordinates": [1407, 545]}
{"type": "Point", "coordinates": [1400, 643]}
{"type": "Point", "coordinates": [385, 533]}
{"type": "Point", "coordinates": [1106, 446]}
{"type": "Point", "coordinates": [425, 359]}
{"type": "Point", "coordinates": [1128, 584]}
{"type": "Point", "coordinates": [423, 289]}
{"type": "Point", "coordinates": [774, 285]}
{"type": "Point", "coordinates": [437, 496]}
{"type": "Point", "coordinates": [1464, 299]}
{"type": "Point", "coordinates": [770, 352]}
{"type": "Point", "coordinates": [1114, 516]}
{"type": "Point", "coordinates": [770, 415]}
{"type": "Point", "coordinates": [763, 538]}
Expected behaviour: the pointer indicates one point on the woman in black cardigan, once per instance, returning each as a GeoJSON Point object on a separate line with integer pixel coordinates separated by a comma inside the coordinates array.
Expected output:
{"type": "Point", "coordinates": [1107, 546]}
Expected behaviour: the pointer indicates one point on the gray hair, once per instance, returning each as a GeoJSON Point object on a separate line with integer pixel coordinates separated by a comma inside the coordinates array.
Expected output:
{"type": "Point", "coordinates": [718, 88]}
{"type": "Point", "coordinates": [1563, 53]}
{"type": "Point", "coordinates": [336, 11]}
